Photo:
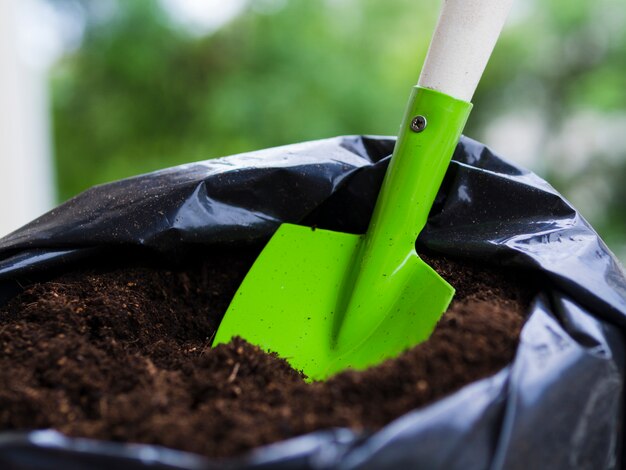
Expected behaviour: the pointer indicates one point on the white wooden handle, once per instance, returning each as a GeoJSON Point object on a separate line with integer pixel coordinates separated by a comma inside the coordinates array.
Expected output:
{"type": "Point", "coordinates": [465, 36]}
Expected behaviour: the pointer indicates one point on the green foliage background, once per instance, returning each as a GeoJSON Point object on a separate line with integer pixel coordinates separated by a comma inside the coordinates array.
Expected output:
{"type": "Point", "coordinates": [143, 93]}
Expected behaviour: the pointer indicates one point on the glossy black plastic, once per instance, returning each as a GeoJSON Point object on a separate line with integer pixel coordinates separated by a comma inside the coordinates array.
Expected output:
{"type": "Point", "coordinates": [557, 405]}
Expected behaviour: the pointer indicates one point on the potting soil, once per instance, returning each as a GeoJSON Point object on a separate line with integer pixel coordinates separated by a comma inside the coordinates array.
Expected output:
{"type": "Point", "coordinates": [123, 354]}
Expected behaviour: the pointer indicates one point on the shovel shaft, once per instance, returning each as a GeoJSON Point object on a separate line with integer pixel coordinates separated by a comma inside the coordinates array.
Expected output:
{"type": "Point", "coordinates": [417, 167]}
{"type": "Point", "coordinates": [381, 271]}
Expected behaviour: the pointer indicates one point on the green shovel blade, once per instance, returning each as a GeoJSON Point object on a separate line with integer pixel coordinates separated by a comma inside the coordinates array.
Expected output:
{"type": "Point", "coordinates": [293, 307]}
{"type": "Point", "coordinates": [327, 301]}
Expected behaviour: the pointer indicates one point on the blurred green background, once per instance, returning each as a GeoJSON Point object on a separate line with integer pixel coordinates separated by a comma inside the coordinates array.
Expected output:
{"type": "Point", "coordinates": [146, 88]}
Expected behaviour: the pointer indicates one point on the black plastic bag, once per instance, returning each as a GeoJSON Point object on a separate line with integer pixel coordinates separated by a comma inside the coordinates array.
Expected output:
{"type": "Point", "coordinates": [557, 405]}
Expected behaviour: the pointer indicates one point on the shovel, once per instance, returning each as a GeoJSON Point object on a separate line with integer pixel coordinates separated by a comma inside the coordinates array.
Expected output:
{"type": "Point", "coordinates": [327, 301]}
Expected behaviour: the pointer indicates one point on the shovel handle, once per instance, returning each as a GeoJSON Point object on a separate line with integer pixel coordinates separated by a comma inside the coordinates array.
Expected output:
{"type": "Point", "coordinates": [465, 36]}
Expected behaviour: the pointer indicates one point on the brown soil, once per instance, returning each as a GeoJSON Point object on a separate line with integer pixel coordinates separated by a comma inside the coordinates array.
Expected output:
{"type": "Point", "coordinates": [123, 355]}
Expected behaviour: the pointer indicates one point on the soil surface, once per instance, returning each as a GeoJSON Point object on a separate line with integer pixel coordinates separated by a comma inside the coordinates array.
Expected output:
{"type": "Point", "coordinates": [124, 355]}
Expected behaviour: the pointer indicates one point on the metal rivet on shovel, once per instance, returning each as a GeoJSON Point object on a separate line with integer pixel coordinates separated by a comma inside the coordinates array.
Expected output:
{"type": "Point", "coordinates": [418, 123]}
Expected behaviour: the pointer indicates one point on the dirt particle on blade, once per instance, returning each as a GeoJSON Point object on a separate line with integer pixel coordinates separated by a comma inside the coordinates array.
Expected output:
{"type": "Point", "coordinates": [124, 354]}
